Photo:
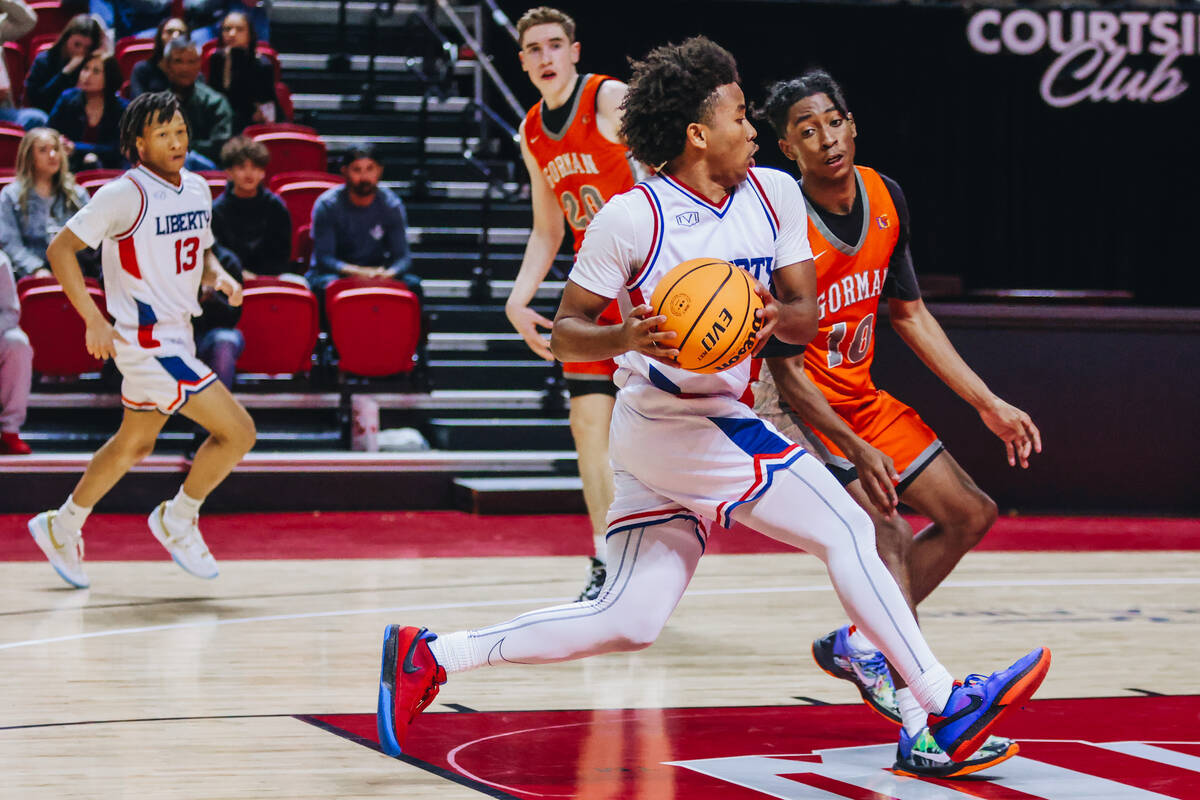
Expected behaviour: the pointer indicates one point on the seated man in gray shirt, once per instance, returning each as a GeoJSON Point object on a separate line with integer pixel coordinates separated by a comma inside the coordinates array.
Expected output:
{"type": "Point", "coordinates": [359, 228]}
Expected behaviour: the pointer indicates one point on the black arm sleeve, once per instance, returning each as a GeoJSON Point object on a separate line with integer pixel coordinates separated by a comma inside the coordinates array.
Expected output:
{"type": "Point", "coordinates": [901, 280]}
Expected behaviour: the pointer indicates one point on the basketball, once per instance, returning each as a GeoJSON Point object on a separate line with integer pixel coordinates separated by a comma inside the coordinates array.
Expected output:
{"type": "Point", "coordinates": [711, 305]}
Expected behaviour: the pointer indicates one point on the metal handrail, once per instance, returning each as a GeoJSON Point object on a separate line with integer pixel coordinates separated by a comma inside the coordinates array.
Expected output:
{"type": "Point", "coordinates": [480, 56]}
{"type": "Point", "coordinates": [501, 19]}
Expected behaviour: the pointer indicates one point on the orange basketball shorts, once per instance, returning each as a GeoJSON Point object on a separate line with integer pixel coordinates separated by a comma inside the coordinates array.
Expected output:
{"type": "Point", "coordinates": [886, 424]}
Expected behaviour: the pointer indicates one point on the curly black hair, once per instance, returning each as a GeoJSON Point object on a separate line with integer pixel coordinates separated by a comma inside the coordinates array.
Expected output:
{"type": "Point", "coordinates": [782, 95]}
{"type": "Point", "coordinates": [672, 87]}
{"type": "Point", "coordinates": [151, 108]}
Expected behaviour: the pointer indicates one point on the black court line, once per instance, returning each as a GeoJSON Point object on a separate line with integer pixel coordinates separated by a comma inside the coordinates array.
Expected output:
{"type": "Point", "coordinates": [446, 774]}
{"type": "Point", "coordinates": [142, 719]}
{"type": "Point", "coordinates": [812, 701]}
{"type": "Point", "coordinates": [461, 707]}
{"type": "Point", "coordinates": [170, 601]}
{"type": "Point", "coordinates": [1146, 692]}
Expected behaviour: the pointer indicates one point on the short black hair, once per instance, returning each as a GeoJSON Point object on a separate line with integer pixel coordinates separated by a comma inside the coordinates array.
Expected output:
{"type": "Point", "coordinates": [151, 108]}
{"type": "Point", "coordinates": [782, 95]}
{"type": "Point", "coordinates": [366, 150]}
{"type": "Point", "coordinates": [671, 88]}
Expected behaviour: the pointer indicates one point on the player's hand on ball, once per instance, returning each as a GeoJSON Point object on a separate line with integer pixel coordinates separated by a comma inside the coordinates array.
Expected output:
{"type": "Point", "coordinates": [769, 316]}
{"type": "Point", "coordinates": [231, 288]}
{"type": "Point", "coordinates": [1015, 428]}
{"type": "Point", "coordinates": [640, 332]}
{"type": "Point", "coordinates": [99, 337]}
{"type": "Point", "coordinates": [526, 322]}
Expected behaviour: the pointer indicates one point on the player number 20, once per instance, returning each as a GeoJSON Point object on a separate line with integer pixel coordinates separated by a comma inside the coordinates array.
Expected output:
{"type": "Point", "coordinates": [186, 251]}
{"type": "Point", "coordinates": [860, 342]}
{"type": "Point", "coordinates": [581, 210]}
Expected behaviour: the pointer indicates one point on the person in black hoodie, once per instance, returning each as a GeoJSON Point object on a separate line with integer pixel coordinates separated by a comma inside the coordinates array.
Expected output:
{"type": "Point", "coordinates": [90, 115]}
{"type": "Point", "coordinates": [246, 78]}
{"type": "Point", "coordinates": [57, 69]}
{"type": "Point", "coordinates": [251, 224]}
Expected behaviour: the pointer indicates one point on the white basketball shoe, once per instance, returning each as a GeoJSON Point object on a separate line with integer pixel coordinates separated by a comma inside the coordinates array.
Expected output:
{"type": "Point", "coordinates": [184, 543]}
{"type": "Point", "coordinates": [63, 548]}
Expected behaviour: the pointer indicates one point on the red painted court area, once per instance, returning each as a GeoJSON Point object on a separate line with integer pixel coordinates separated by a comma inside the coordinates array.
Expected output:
{"type": "Point", "coordinates": [434, 534]}
{"type": "Point", "coordinates": [1126, 748]}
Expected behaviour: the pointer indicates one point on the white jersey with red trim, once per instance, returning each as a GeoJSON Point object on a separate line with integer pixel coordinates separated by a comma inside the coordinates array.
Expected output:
{"type": "Point", "coordinates": [153, 236]}
{"type": "Point", "coordinates": [643, 233]}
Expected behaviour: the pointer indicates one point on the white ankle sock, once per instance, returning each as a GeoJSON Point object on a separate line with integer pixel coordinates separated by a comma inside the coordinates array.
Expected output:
{"type": "Point", "coordinates": [912, 715]}
{"type": "Point", "coordinates": [932, 688]}
{"type": "Point", "coordinates": [859, 641]}
{"type": "Point", "coordinates": [183, 509]}
{"type": "Point", "coordinates": [456, 652]}
{"type": "Point", "coordinates": [71, 517]}
{"type": "Point", "coordinates": [601, 546]}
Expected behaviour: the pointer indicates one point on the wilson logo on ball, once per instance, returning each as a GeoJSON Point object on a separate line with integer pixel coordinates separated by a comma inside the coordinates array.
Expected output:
{"type": "Point", "coordinates": [711, 306]}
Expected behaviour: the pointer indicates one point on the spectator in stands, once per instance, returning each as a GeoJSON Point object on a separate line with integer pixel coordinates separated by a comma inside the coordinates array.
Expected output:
{"type": "Point", "coordinates": [245, 78]}
{"type": "Point", "coordinates": [207, 16]}
{"type": "Point", "coordinates": [90, 115]}
{"type": "Point", "coordinates": [16, 20]}
{"type": "Point", "coordinates": [151, 75]}
{"type": "Point", "coordinates": [130, 17]}
{"type": "Point", "coordinates": [251, 224]}
{"type": "Point", "coordinates": [359, 229]}
{"type": "Point", "coordinates": [39, 201]}
{"type": "Point", "coordinates": [209, 117]}
{"type": "Point", "coordinates": [16, 366]}
{"type": "Point", "coordinates": [57, 69]}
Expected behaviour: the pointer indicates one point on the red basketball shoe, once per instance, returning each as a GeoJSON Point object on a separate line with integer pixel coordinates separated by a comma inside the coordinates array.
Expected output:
{"type": "Point", "coordinates": [408, 681]}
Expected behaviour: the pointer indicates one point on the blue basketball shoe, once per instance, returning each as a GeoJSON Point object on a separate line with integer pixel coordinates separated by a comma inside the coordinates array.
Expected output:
{"type": "Point", "coordinates": [978, 703]}
{"type": "Point", "coordinates": [920, 756]}
{"type": "Point", "coordinates": [409, 679]}
{"type": "Point", "coordinates": [867, 671]}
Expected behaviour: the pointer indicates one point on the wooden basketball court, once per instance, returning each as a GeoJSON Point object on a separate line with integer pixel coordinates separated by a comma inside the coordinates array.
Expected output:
{"type": "Point", "coordinates": [154, 684]}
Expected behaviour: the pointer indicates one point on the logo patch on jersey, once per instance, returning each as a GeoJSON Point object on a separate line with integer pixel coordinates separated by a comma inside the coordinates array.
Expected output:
{"type": "Point", "coordinates": [680, 303]}
{"type": "Point", "coordinates": [687, 219]}
{"type": "Point", "coordinates": [882, 221]}
{"type": "Point", "coordinates": [377, 232]}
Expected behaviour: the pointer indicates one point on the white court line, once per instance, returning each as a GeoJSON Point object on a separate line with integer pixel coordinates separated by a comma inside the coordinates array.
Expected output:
{"type": "Point", "coordinates": [538, 601]}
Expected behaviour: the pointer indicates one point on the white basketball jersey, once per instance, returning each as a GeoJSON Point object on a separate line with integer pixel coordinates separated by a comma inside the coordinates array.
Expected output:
{"type": "Point", "coordinates": [641, 234]}
{"type": "Point", "coordinates": [153, 237]}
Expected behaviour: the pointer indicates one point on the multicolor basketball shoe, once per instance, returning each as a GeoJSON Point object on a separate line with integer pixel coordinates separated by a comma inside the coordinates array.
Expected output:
{"type": "Point", "coordinates": [920, 756]}
{"type": "Point", "coordinates": [867, 671]}
{"type": "Point", "coordinates": [978, 703]}
{"type": "Point", "coordinates": [408, 681]}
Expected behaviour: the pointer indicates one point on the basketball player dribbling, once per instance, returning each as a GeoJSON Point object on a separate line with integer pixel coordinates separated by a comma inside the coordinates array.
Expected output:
{"type": "Point", "coordinates": [823, 396]}
{"type": "Point", "coordinates": [153, 225]}
{"type": "Point", "coordinates": [685, 450]}
{"type": "Point", "coordinates": [571, 145]}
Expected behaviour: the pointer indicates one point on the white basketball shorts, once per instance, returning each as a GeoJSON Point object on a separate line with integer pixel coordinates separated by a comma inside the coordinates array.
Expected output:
{"type": "Point", "coordinates": [161, 378]}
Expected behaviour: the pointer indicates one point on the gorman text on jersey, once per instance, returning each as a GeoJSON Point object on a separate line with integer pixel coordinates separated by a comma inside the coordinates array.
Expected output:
{"type": "Point", "coordinates": [849, 290]}
{"type": "Point", "coordinates": [570, 164]}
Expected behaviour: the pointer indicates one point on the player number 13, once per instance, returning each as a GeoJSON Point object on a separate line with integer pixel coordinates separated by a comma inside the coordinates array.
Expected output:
{"type": "Point", "coordinates": [186, 251]}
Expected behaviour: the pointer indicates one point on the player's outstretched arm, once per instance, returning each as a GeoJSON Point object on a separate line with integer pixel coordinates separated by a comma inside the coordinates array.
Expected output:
{"type": "Point", "coordinates": [543, 244]}
{"type": "Point", "coordinates": [922, 332]}
{"type": "Point", "coordinates": [99, 334]}
{"type": "Point", "coordinates": [876, 471]}
{"type": "Point", "coordinates": [577, 336]}
{"type": "Point", "coordinates": [216, 278]}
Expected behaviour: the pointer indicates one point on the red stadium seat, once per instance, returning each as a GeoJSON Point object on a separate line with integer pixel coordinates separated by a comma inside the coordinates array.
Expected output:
{"type": "Point", "coordinates": [283, 96]}
{"type": "Point", "coordinates": [302, 246]}
{"type": "Point", "coordinates": [375, 326]}
{"type": "Point", "coordinates": [14, 63]}
{"type": "Point", "coordinates": [10, 140]}
{"type": "Point", "coordinates": [216, 180]}
{"type": "Point", "coordinates": [51, 19]}
{"type": "Point", "coordinates": [291, 150]}
{"type": "Point", "coordinates": [272, 127]}
{"type": "Point", "coordinates": [136, 51]}
{"type": "Point", "coordinates": [93, 179]}
{"type": "Point", "coordinates": [7, 176]}
{"type": "Point", "coordinates": [300, 190]}
{"type": "Point", "coordinates": [279, 321]}
{"type": "Point", "coordinates": [55, 330]}
{"type": "Point", "coordinates": [36, 45]}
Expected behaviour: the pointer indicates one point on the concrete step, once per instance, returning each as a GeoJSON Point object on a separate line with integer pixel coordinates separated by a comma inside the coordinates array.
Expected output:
{"type": "Point", "coordinates": [520, 495]}
{"type": "Point", "coordinates": [529, 434]}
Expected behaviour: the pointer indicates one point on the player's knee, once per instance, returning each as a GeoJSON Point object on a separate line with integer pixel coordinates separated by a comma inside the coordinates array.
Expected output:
{"type": "Point", "coordinates": [983, 517]}
{"type": "Point", "coordinates": [637, 635]}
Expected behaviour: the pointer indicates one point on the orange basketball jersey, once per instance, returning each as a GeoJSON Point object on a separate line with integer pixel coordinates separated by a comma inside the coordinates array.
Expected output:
{"type": "Point", "coordinates": [850, 278]}
{"type": "Point", "coordinates": [582, 167]}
